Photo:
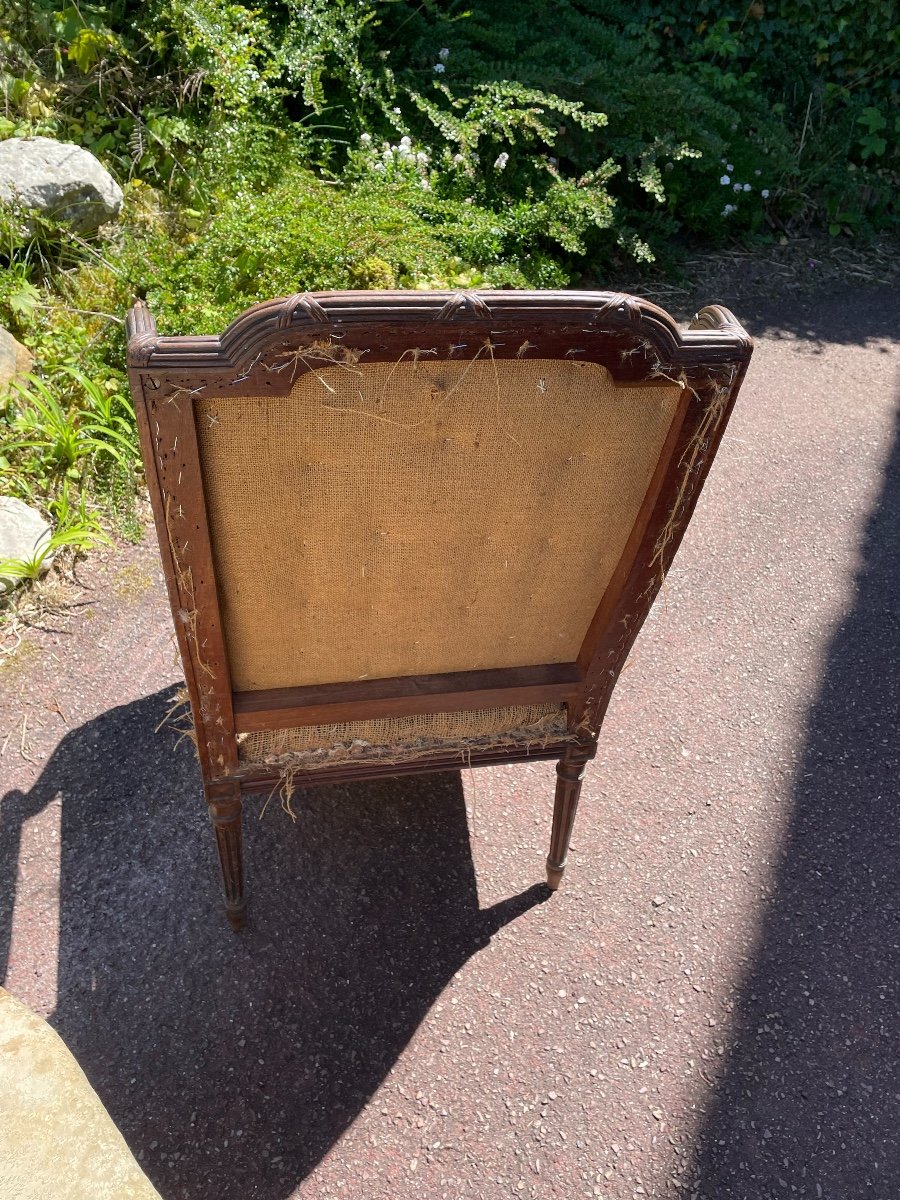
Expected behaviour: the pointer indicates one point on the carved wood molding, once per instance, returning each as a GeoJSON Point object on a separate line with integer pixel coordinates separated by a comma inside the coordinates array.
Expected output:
{"type": "Point", "coordinates": [629, 335]}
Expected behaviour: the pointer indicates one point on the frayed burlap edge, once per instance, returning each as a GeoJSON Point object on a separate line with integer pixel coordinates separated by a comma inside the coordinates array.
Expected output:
{"type": "Point", "coordinates": [547, 726]}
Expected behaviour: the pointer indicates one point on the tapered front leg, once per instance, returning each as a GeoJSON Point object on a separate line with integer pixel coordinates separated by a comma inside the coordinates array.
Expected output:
{"type": "Point", "coordinates": [570, 773]}
{"type": "Point", "coordinates": [225, 814]}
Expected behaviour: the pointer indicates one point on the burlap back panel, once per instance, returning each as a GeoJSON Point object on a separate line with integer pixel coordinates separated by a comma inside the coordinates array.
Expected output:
{"type": "Point", "coordinates": [407, 518]}
{"type": "Point", "coordinates": [408, 737]}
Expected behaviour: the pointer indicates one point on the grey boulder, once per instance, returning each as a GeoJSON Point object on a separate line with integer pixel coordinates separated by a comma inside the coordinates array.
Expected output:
{"type": "Point", "coordinates": [23, 534]}
{"type": "Point", "coordinates": [15, 359]}
{"type": "Point", "coordinates": [61, 181]}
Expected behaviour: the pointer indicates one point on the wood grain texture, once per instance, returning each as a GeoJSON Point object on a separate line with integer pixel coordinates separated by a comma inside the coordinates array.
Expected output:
{"type": "Point", "coordinates": [256, 354]}
{"type": "Point", "coordinates": [224, 801]}
{"type": "Point", "coordinates": [287, 708]}
{"type": "Point", "coordinates": [569, 778]}
{"type": "Point", "coordinates": [628, 600]}
{"type": "Point", "coordinates": [172, 468]}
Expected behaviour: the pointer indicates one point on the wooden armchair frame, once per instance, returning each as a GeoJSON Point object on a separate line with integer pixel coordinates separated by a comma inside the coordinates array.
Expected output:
{"type": "Point", "coordinates": [638, 343]}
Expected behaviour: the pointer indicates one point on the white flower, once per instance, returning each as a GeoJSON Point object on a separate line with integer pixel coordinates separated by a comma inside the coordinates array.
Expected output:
{"type": "Point", "coordinates": [728, 209]}
{"type": "Point", "coordinates": [365, 138]}
{"type": "Point", "coordinates": [406, 141]}
{"type": "Point", "coordinates": [500, 161]}
{"type": "Point", "coordinates": [725, 180]}
{"type": "Point", "coordinates": [459, 158]}
{"type": "Point", "coordinates": [443, 54]}
{"type": "Point", "coordinates": [553, 162]}
{"type": "Point", "coordinates": [425, 185]}
{"type": "Point", "coordinates": [388, 155]}
{"type": "Point", "coordinates": [378, 167]}
{"type": "Point", "coordinates": [422, 158]}
{"type": "Point", "coordinates": [396, 110]}
{"type": "Point", "coordinates": [738, 187]}
{"type": "Point", "coordinates": [729, 166]}
{"type": "Point", "coordinates": [748, 187]}
{"type": "Point", "coordinates": [765, 193]}
{"type": "Point", "coordinates": [439, 68]}
{"type": "Point", "coordinates": [757, 171]}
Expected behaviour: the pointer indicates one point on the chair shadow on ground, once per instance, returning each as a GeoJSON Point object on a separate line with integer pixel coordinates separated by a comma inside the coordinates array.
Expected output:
{"type": "Point", "coordinates": [810, 1101]}
{"type": "Point", "coordinates": [232, 1063]}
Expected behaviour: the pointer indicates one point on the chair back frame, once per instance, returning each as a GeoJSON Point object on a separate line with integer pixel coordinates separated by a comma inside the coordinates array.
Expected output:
{"type": "Point", "coordinates": [262, 353]}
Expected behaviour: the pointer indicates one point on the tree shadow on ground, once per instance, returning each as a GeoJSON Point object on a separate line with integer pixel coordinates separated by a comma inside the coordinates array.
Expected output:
{"type": "Point", "coordinates": [823, 319]}
{"type": "Point", "coordinates": [810, 1102]}
{"type": "Point", "coordinates": [232, 1063]}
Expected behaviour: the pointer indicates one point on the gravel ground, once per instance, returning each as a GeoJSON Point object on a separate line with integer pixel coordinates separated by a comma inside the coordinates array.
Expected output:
{"type": "Point", "coordinates": [709, 1006]}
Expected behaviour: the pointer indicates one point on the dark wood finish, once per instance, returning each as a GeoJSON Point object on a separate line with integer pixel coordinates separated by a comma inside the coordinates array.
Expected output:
{"type": "Point", "coordinates": [570, 776]}
{"type": "Point", "coordinates": [262, 352]}
{"type": "Point", "coordinates": [286, 708]}
{"type": "Point", "coordinates": [641, 573]}
{"type": "Point", "coordinates": [630, 336]}
{"type": "Point", "coordinates": [224, 802]}
{"type": "Point", "coordinates": [172, 466]}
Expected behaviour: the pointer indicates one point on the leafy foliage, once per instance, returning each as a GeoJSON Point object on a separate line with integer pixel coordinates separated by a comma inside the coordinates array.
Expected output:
{"type": "Point", "coordinates": [65, 436]}
{"type": "Point", "coordinates": [76, 528]}
{"type": "Point", "coordinates": [303, 233]}
{"type": "Point", "coordinates": [827, 71]}
{"type": "Point", "coordinates": [315, 144]}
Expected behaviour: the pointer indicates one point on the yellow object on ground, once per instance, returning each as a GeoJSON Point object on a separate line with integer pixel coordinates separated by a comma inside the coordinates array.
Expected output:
{"type": "Point", "coordinates": [57, 1141]}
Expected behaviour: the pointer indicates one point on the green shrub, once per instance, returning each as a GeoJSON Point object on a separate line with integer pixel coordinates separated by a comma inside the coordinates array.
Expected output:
{"type": "Point", "coordinates": [826, 72]}
{"type": "Point", "coordinates": [618, 123]}
{"type": "Point", "coordinates": [303, 234]}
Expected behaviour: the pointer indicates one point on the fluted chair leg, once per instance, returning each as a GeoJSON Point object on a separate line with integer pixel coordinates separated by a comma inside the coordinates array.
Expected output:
{"type": "Point", "coordinates": [570, 773]}
{"type": "Point", "coordinates": [225, 815]}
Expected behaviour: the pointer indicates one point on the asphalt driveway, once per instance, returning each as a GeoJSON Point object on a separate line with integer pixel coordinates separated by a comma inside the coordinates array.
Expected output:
{"type": "Point", "coordinates": [708, 1007]}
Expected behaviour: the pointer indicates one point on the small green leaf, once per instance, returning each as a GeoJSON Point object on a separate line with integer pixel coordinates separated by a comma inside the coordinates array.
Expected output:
{"type": "Point", "coordinates": [872, 119]}
{"type": "Point", "coordinates": [87, 48]}
{"type": "Point", "coordinates": [872, 144]}
{"type": "Point", "coordinates": [24, 299]}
